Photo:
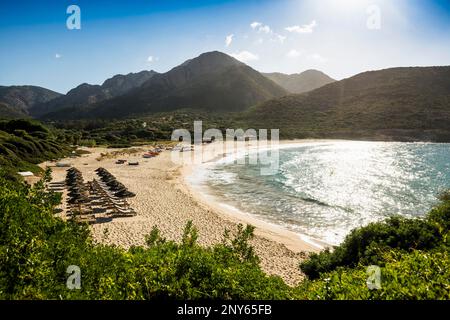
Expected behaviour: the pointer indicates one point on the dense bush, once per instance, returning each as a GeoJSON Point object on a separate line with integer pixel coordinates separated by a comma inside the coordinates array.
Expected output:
{"type": "Point", "coordinates": [25, 143]}
{"type": "Point", "coordinates": [412, 254]}
{"type": "Point", "coordinates": [26, 125]}
{"type": "Point", "coordinates": [142, 130]}
{"type": "Point", "coordinates": [414, 275]}
{"type": "Point", "coordinates": [445, 196]}
{"type": "Point", "coordinates": [362, 245]}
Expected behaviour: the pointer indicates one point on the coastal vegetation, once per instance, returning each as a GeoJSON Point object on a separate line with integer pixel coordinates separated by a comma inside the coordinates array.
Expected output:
{"type": "Point", "coordinates": [25, 143]}
{"type": "Point", "coordinates": [413, 256]}
{"type": "Point", "coordinates": [135, 132]}
{"type": "Point", "coordinates": [366, 245]}
{"type": "Point", "coordinates": [417, 275]}
{"type": "Point", "coordinates": [37, 248]}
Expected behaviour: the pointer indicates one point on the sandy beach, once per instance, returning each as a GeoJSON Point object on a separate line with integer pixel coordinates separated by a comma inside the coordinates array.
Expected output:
{"type": "Point", "coordinates": [165, 198]}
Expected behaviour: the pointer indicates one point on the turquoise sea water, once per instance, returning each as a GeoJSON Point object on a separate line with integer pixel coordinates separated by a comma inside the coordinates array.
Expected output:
{"type": "Point", "coordinates": [323, 190]}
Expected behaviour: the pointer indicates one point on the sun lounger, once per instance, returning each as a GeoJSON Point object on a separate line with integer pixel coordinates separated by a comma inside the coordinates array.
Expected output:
{"type": "Point", "coordinates": [118, 213]}
{"type": "Point", "coordinates": [103, 219]}
{"type": "Point", "coordinates": [88, 220]}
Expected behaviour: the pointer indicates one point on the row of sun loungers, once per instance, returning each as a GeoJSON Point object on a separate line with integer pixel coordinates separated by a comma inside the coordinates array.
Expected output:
{"type": "Point", "coordinates": [96, 201]}
{"type": "Point", "coordinates": [79, 206]}
{"type": "Point", "coordinates": [114, 193]}
{"type": "Point", "coordinates": [110, 182]}
{"type": "Point", "coordinates": [130, 163]}
{"type": "Point", "coordinates": [119, 207]}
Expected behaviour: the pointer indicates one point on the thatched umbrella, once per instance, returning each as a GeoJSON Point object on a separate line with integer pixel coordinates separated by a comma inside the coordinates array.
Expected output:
{"type": "Point", "coordinates": [124, 194]}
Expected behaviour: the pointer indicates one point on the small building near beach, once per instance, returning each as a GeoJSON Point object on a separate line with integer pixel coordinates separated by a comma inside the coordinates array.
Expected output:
{"type": "Point", "coordinates": [26, 174]}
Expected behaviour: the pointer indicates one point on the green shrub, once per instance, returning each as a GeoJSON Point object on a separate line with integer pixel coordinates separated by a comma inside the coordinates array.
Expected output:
{"type": "Point", "coordinates": [119, 145]}
{"type": "Point", "coordinates": [25, 143]}
{"type": "Point", "coordinates": [362, 245]}
{"type": "Point", "coordinates": [88, 142]}
{"type": "Point", "coordinates": [30, 126]}
{"type": "Point", "coordinates": [414, 275]}
{"type": "Point", "coordinates": [445, 196]}
{"type": "Point", "coordinates": [439, 217]}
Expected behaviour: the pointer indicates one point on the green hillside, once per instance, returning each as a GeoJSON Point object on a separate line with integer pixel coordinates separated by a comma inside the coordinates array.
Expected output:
{"type": "Point", "coordinates": [391, 104]}
{"type": "Point", "coordinates": [17, 101]}
{"type": "Point", "coordinates": [25, 143]}
{"type": "Point", "coordinates": [86, 94]}
{"type": "Point", "coordinates": [8, 112]}
{"type": "Point", "coordinates": [300, 82]}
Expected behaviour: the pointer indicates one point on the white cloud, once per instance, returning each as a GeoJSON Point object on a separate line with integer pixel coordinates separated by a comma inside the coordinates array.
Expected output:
{"type": "Point", "coordinates": [262, 28]}
{"type": "Point", "coordinates": [258, 41]}
{"type": "Point", "coordinates": [281, 38]}
{"type": "Point", "coordinates": [152, 59]}
{"type": "Point", "coordinates": [293, 54]}
{"type": "Point", "coordinates": [306, 28]}
{"type": "Point", "coordinates": [259, 27]}
{"type": "Point", "coordinates": [57, 56]}
{"type": "Point", "coordinates": [265, 29]}
{"type": "Point", "coordinates": [255, 24]}
{"type": "Point", "coordinates": [317, 57]}
{"type": "Point", "coordinates": [245, 56]}
{"type": "Point", "coordinates": [228, 40]}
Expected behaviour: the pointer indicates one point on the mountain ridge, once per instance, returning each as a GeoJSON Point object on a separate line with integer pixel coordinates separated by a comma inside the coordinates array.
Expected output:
{"type": "Point", "coordinates": [410, 103]}
{"type": "Point", "coordinates": [231, 86]}
{"type": "Point", "coordinates": [405, 103]}
{"type": "Point", "coordinates": [300, 82]}
{"type": "Point", "coordinates": [88, 94]}
{"type": "Point", "coordinates": [17, 101]}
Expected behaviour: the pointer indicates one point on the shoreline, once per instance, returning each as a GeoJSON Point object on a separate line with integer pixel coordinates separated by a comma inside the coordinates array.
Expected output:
{"type": "Point", "coordinates": [293, 241]}
{"type": "Point", "coordinates": [165, 199]}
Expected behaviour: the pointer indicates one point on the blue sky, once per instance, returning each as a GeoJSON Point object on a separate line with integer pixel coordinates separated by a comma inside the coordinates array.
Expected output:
{"type": "Point", "coordinates": [339, 37]}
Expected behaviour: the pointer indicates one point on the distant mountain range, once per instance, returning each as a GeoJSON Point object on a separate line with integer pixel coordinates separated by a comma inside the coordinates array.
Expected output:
{"type": "Point", "coordinates": [86, 94]}
{"type": "Point", "coordinates": [300, 82]}
{"type": "Point", "coordinates": [397, 103]}
{"type": "Point", "coordinates": [17, 101]}
{"type": "Point", "coordinates": [213, 82]}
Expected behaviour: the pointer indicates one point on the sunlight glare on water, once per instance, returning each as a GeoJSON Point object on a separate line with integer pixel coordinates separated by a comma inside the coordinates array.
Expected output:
{"type": "Point", "coordinates": [326, 189]}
